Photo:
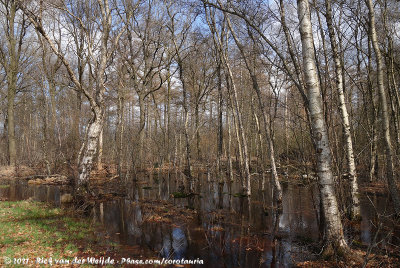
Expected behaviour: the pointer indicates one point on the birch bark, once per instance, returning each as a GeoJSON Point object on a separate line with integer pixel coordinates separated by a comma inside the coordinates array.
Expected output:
{"type": "Point", "coordinates": [355, 203]}
{"type": "Point", "coordinates": [334, 238]}
{"type": "Point", "coordinates": [95, 98]}
{"type": "Point", "coordinates": [394, 192]}
{"type": "Point", "coordinates": [219, 42]}
{"type": "Point", "coordinates": [266, 121]}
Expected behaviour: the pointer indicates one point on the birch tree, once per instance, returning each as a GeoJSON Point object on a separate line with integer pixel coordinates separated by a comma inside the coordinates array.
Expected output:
{"type": "Point", "coordinates": [394, 192]}
{"type": "Point", "coordinates": [220, 41]}
{"type": "Point", "coordinates": [355, 203]}
{"type": "Point", "coordinates": [265, 118]}
{"type": "Point", "coordinates": [179, 38]}
{"type": "Point", "coordinates": [334, 237]}
{"type": "Point", "coordinates": [144, 59]}
{"type": "Point", "coordinates": [95, 95]}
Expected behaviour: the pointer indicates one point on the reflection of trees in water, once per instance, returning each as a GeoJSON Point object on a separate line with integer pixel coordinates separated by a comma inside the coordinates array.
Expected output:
{"type": "Point", "coordinates": [166, 250]}
{"type": "Point", "coordinates": [112, 216]}
{"type": "Point", "coordinates": [225, 225]}
{"type": "Point", "coordinates": [174, 244]}
{"type": "Point", "coordinates": [299, 217]}
{"type": "Point", "coordinates": [179, 243]}
{"type": "Point", "coordinates": [22, 190]}
{"type": "Point", "coordinates": [133, 220]}
{"type": "Point", "coordinates": [227, 239]}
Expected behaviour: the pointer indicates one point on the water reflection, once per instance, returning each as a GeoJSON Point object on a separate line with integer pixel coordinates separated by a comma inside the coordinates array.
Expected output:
{"type": "Point", "coordinates": [225, 230]}
{"type": "Point", "coordinates": [20, 190]}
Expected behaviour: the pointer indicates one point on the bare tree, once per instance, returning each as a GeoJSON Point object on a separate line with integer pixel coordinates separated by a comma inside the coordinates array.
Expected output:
{"type": "Point", "coordinates": [179, 38]}
{"type": "Point", "coordinates": [334, 237]}
{"type": "Point", "coordinates": [95, 96]}
{"type": "Point", "coordinates": [221, 45]}
{"type": "Point", "coordinates": [385, 116]}
{"type": "Point", "coordinates": [145, 57]}
{"type": "Point", "coordinates": [15, 25]}
{"type": "Point", "coordinates": [355, 204]}
{"type": "Point", "coordinates": [266, 119]}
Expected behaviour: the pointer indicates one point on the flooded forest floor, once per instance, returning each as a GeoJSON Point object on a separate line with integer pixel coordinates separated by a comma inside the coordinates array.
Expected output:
{"type": "Point", "coordinates": [144, 217]}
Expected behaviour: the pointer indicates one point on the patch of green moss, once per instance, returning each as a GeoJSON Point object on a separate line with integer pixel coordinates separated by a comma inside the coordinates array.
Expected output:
{"type": "Point", "coordinates": [240, 195]}
{"type": "Point", "coordinates": [179, 195]}
{"type": "Point", "coordinates": [357, 243]}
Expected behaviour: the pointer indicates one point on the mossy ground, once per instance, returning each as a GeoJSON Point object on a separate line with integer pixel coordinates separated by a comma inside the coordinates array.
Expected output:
{"type": "Point", "coordinates": [32, 229]}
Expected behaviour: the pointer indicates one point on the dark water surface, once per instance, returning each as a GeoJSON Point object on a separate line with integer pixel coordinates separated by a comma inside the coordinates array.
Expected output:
{"type": "Point", "coordinates": [226, 231]}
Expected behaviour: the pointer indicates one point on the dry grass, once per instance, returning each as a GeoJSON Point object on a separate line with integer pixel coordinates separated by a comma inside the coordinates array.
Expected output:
{"type": "Point", "coordinates": [10, 172]}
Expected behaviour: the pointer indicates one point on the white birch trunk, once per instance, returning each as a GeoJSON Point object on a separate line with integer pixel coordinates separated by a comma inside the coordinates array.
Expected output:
{"type": "Point", "coordinates": [100, 153]}
{"type": "Point", "coordinates": [256, 88]}
{"type": "Point", "coordinates": [120, 129]}
{"type": "Point", "coordinates": [355, 203]}
{"type": "Point", "coordinates": [334, 238]}
{"type": "Point", "coordinates": [240, 133]}
{"type": "Point", "coordinates": [385, 117]}
{"type": "Point", "coordinates": [96, 98]}
{"type": "Point", "coordinates": [229, 147]}
{"type": "Point", "coordinates": [89, 152]}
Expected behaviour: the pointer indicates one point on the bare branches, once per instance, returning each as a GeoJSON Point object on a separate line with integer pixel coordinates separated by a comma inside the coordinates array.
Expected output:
{"type": "Point", "coordinates": [36, 22]}
{"type": "Point", "coordinates": [285, 63]}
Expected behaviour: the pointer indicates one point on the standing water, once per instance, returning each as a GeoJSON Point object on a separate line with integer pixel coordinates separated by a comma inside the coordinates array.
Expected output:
{"type": "Point", "coordinates": [218, 225]}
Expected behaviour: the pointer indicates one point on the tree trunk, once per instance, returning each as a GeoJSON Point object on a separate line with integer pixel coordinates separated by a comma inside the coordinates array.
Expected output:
{"type": "Point", "coordinates": [260, 151]}
{"type": "Point", "coordinates": [168, 115]}
{"type": "Point", "coordinates": [393, 92]}
{"type": "Point", "coordinates": [373, 168]}
{"type": "Point", "coordinates": [100, 153]}
{"type": "Point", "coordinates": [142, 123]}
{"type": "Point", "coordinates": [220, 124]}
{"type": "Point", "coordinates": [334, 238]}
{"type": "Point", "coordinates": [218, 39]}
{"type": "Point", "coordinates": [197, 128]}
{"type": "Point", "coordinates": [12, 150]}
{"type": "Point", "coordinates": [120, 131]}
{"type": "Point", "coordinates": [188, 166]}
{"type": "Point", "coordinates": [355, 203]}
{"type": "Point", "coordinates": [90, 148]}
{"type": "Point", "coordinates": [286, 126]}
{"type": "Point", "coordinates": [266, 121]}
{"type": "Point", "coordinates": [229, 147]}
{"type": "Point", "coordinates": [240, 132]}
{"type": "Point", "coordinates": [385, 116]}
{"type": "Point", "coordinates": [96, 102]}
{"type": "Point", "coordinates": [11, 68]}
